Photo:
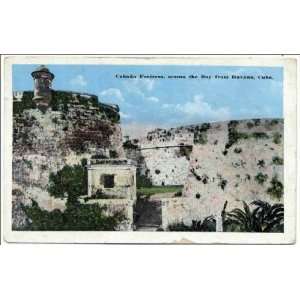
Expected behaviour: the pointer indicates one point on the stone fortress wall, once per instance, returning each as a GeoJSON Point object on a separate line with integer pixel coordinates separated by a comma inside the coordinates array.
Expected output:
{"type": "Point", "coordinates": [165, 155]}
{"type": "Point", "coordinates": [235, 161]}
{"type": "Point", "coordinates": [71, 129]}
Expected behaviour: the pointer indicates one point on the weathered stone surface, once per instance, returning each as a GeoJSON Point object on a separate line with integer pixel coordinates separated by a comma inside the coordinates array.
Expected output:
{"type": "Point", "coordinates": [219, 172]}
{"type": "Point", "coordinates": [44, 142]}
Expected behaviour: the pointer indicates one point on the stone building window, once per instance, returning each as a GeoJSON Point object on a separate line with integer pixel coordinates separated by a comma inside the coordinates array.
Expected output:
{"type": "Point", "coordinates": [108, 181]}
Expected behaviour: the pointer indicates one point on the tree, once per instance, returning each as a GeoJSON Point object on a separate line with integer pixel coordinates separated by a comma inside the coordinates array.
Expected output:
{"type": "Point", "coordinates": [70, 182]}
{"type": "Point", "coordinates": [263, 218]}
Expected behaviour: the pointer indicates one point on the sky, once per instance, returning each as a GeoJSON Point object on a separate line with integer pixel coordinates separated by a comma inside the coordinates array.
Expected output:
{"type": "Point", "coordinates": [148, 103]}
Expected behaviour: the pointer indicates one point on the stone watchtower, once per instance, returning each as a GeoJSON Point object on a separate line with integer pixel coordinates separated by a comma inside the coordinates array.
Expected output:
{"type": "Point", "coordinates": [42, 85]}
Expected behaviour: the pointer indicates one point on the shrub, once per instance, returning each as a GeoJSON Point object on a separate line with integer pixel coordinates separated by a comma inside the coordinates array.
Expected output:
{"type": "Point", "coordinates": [261, 163]}
{"type": "Point", "coordinates": [205, 179]}
{"type": "Point", "coordinates": [186, 151]}
{"type": "Point", "coordinates": [200, 138]}
{"type": "Point", "coordinates": [250, 125]}
{"type": "Point", "coordinates": [274, 122]}
{"type": "Point", "coordinates": [157, 171]}
{"type": "Point", "coordinates": [277, 160]}
{"type": "Point", "coordinates": [113, 154]}
{"type": "Point", "coordinates": [204, 127]}
{"type": "Point", "coordinates": [70, 181]}
{"type": "Point", "coordinates": [178, 194]}
{"type": "Point", "coordinates": [277, 138]}
{"type": "Point", "coordinates": [76, 217]}
{"type": "Point", "coordinates": [237, 150]}
{"type": "Point", "coordinates": [222, 184]}
{"type": "Point", "coordinates": [98, 195]}
{"type": "Point", "coordinates": [276, 188]}
{"type": "Point", "coordinates": [142, 181]}
{"type": "Point", "coordinates": [233, 135]}
{"type": "Point", "coordinates": [261, 178]}
{"type": "Point", "coordinates": [208, 224]}
{"type": "Point", "coordinates": [130, 145]}
{"type": "Point", "coordinates": [259, 135]}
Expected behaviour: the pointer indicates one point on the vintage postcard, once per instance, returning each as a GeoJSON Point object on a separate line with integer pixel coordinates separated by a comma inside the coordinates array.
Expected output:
{"type": "Point", "coordinates": [150, 149]}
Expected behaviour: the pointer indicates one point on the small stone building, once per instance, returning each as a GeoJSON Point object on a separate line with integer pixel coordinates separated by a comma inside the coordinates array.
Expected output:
{"type": "Point", "coordinates": [111, 179]}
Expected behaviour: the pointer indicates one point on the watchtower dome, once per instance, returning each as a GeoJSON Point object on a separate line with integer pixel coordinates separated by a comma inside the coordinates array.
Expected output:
{"type": "Point", "coordinates": [42, 84]}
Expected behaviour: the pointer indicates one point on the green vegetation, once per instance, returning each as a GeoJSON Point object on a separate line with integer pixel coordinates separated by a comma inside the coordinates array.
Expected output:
{"type": "Point", "coordinates": [110, 113]}
{"type": "Point", "coordinates": [113, 154]}
{"type": "Point", "coordinates": [222, 182]}
{"type": "Point", "coordinates": [277, 138]}
{"type": "Point", "coordinates": [261, 178]}
{"type": "Point", "coordinates": [98, 195]}
{"type": "Point", "coordinates": [207, 225]}
{"type": "Point", "coordinates": [130, 145]}
{"type": "Point", "coordinates": [264, 217]}
{"type": "Point", "coordinates": [185, 151]}
{"type": "Point", "coordinates": [178, 194]}
{"type": "Point", "coordinates": [256, 122]}
{"type": "Point", "coordinates": [26, 103]}
{"type": "Point", "coordinates": [200, 138]}
{"type": "Point", "coordinates": [60, 101]}
{"type": "Point", "coordinates": [277, 160]}
{"type": "Point", "coordinates": [250, 125]}
{"type": "Point", "coordinates": [276, 188]}
{"type": "Point", "coordinates": [76, 217]}
{"type": "Point", "coordinates": [274, 122]}
{"type": "Point", "coordinates": [142, 181]}
{"type": "Point", "coordinates": [261, 163]}
{"type": "Point", "coordinates": [237, 150]}
{"type": "Point", "coordinates": [199, 178]}
{"type": "Point", "coordinates": [149, 191]}
{"type": "Point", "coordinates": [70, 182]}
{"type": "Point", "coordinates": [28, 163]}
{"type": "Point", "coordinates": [200, 134]}
{"type": "Point", "coordinates": [259, 135]}
{"type": "Point", "coordinates": [233, 135]}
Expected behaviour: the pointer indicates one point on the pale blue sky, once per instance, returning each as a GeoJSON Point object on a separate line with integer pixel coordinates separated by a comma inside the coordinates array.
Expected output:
{"type": "Point", "coordinates": [149, 103]}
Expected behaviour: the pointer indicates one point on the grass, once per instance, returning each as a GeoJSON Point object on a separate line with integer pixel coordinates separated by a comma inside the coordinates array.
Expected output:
{"type": "Point", "coordinates": [149, 191]}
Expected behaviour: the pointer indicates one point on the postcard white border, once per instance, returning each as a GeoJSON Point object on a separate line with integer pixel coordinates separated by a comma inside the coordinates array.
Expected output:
{"type": "Point", "coordinates": [290, 173]}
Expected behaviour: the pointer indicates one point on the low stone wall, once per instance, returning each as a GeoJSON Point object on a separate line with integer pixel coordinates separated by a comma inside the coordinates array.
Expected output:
{"type": "Point", "coordinates": [182, 209]}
